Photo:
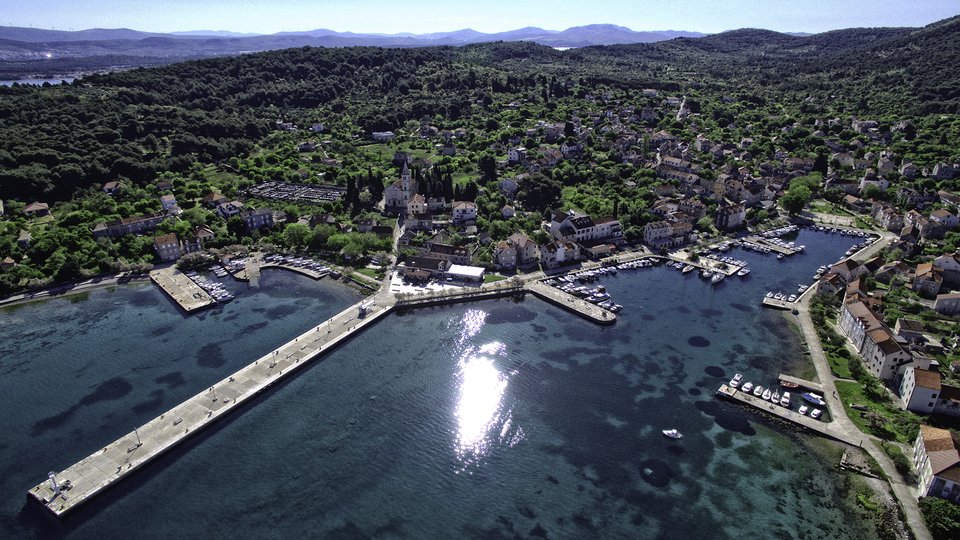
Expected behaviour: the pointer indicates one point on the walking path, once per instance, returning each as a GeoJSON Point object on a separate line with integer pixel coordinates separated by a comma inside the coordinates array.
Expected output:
{"type": "Point", "coordinates": [905, 494]}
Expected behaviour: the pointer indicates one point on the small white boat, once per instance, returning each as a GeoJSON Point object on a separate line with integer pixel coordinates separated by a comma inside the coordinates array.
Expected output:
{"type": "Point", "coordinates": [792, 298]}
{"type": "Point", "coordinates": [758, 391]}
{"type": "Point", "coordinates": [747, 387]}
{"type": "Point", "coordinates": [717, 278]}
{"type": "Point", "coordinates": [785, 399]}
{"type": "Point", "coordinates": [672, 433]}
{"type": "Point", "coordinates": [775, 398]}
{"type": "Point", "coordinates": [815, 413]}
{"type": "Point", "coordinates": [735, 381]}
{"type": "Point", "coordinates": [766, 394]}
{"type": "Point", "coordinates": [803, 409]}
{"type": "Point", "coordinates": [770, 294]}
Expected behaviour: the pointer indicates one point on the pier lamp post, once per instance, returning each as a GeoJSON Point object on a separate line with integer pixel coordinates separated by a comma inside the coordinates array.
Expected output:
{"type": "Point", "coordinates": [137, 433]}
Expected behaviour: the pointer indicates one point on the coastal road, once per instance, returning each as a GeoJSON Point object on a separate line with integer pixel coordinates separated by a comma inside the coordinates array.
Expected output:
{"type": "Point", "coordinates": [906, 495]}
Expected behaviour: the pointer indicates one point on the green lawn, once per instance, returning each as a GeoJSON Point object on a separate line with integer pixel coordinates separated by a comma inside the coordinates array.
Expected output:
{"type": "Point", "coordinates": [493, 278]}
{"type": "Point", "coordinates": [898, 425]}
{"type": "Point", "coordinates": [370, 272]}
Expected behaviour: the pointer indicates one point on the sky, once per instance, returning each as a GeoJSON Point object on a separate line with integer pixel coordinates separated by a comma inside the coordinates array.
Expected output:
{"type": "Point", "coordinates": [421, 16]}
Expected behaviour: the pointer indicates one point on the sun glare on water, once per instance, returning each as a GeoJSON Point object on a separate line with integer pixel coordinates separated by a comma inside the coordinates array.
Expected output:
{"type": "Point", "coordinates": [483, 421]}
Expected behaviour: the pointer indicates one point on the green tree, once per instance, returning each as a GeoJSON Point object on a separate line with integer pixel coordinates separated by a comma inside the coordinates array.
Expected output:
{"type": "Point", "coordinates": [795, 199]}
{"type": "Point", "coordinates": [942, 517]}
{"type": "Point", "coordinates": [296, 235]}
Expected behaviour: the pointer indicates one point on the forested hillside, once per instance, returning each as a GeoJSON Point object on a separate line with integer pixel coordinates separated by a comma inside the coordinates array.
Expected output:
{"type": "Point", "coordinates": [137, 123]}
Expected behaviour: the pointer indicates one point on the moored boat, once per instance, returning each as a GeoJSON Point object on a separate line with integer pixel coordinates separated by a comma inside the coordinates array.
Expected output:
{"type": "Point", "coordinates": [766, 394]}
{"type": "Point", "coordinates": [803, 409]}
{"type": "Point", "coordinates": [758, 391]}
{"type": "Point", "coordinates": [815, 413]}
{"type": "Point", "coordinates": [672, 433]}
{"type": "Point", "coordinates": [813, 398]}
{"type": "Point", "coordinates": [747, 387]}
{"type": "Point", "coordinates": [785, 399]}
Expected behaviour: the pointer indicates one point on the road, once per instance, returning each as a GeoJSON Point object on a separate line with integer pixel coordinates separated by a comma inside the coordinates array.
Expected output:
{"type": "Point", "coordinates": [905, 494]}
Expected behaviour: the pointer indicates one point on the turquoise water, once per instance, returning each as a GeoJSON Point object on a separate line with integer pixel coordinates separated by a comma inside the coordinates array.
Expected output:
{"type": "Point", "coordinates": [493, 419]}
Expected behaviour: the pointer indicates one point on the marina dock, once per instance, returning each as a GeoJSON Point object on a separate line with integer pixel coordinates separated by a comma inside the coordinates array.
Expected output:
{"type": "Point", "coordinates": [68, 489]}
{"type": "Point", "coordinates": [779, 304]}
{"type": "Point", "coordinates": [187, 294]}
{"type": "Point", "coordinates": [817, 426]}
{"type": "Point", "coordinates": [775, 248]}
{"type": "Point", "coordinates": [571, 303]}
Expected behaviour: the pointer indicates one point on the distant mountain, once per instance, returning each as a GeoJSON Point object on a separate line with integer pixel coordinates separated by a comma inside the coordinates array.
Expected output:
{"type": "Point", "coordinates": [25, 44]}
{"type": "Point", "coordinates": [217, 33]}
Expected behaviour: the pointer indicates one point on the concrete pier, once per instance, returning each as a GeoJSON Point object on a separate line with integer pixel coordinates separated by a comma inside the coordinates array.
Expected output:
{"type": "Point", "coordinates": [187, 294]}
{"type": "Point", "coordinates": [107, 466]}
{"type": "Point", "coordinates": [776, 248]}
{"type": "Point", "coordinates": [571, 303]}
{"type": "Point", "coordinates": [818, 426]}
{"type": "Point", "coordinates": [801, 383]}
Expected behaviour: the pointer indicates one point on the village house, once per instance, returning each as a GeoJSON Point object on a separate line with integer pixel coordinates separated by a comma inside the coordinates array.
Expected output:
{"type": "Point", "coordinates": [919, 389]}
{"type": "Point", "coordinates": [880, 351]}
{"type": "Point", "coordinates": [464, 212]}
{"type": "Point", "coordinates": [383, 136]}
{"type": "Point", "coordinates": [949, 265]}
{"type": "Point", "coordinates": [111, 188]}
{"type": "Point", "coordinates": [167, 247]}
{"type": "Point", "coordinates": [505, 255]}
{"type": "Point", "coordinates": [214, 199]}
{"type": "Point", "coordinates": [229, 209]}
{"type": "Point", "coordinates": [24, 239]}
{"type": "Point", "coordinates": [729, 216]}
{"type": "Point", "coordinates": [927, 280]}
{"type": "Point", "coordinates": [257, 219]}
{"type": "Point", "coordinates": [517, 155]}
{"type": "Point", "coordinates": [129, 225]}
{"type": "Point", "coordinates": [947, 304]}
{"type": "Point", "coordinates": [36, 209]}
{"type": "Point", "coordinates": [169, 204]}
{"type": "Point", "coordinates": [433, 266]}
{"type": "Point", "coordinates": [937, 461]}
{"type": "Point", "coordinates": [451, 254]}
{"type": "Point", "coordinates": [557, 253]}
{"type": "Point", "coordinates": [944, 218]}
{"type": "Point", "coordinates": [573, 226]}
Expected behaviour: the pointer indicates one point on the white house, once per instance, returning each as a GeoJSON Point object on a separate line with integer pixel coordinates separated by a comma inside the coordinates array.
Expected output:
{"type": "Point", "coordinates": [464, 211]}
{"type": "Point", "coordinates": [556, 254]}
{"type": "Point", "coordinates": [919, 389]}
{"type": "Point", "coordinates": [383, 136]}
{"type": "Point", "coordinates": [526, 248]}
{"type": "Point", "coordinates": [937, 461]}
{"type": "Point", "coordinates": [505, 255]}
{"type": "Point", "coordinates": [576, 227]}
{"type": "Point", "coordinates": [883, 355]}
{"type": "Point", "coordinates": [657, 233]}
{"type": "Point", "coordinates": [517, 155]}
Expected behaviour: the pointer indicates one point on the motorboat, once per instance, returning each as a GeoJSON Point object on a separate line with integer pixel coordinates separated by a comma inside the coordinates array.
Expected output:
{"type": "Point", "coordinates": [672, 433]}
{"type": "Point", "coordinates": [815, 413]}
{"type": "Point", "coordinates": [775, 398]}
{"type": "Point", "coordinates": [747, 387]}
{"type": "Point", "coordinates": [717, 278]}
{"type": "Point", "coordinates": [766, 394]}
{"type": "Point", "coordinates": [785, 399]}
{"type": "Point", "coordinates": [813, 398]}
{"type": "Point", "coordinates": [792, 298]}
{"type": "Point", "coordinates": [758, 391]}
{"type": "Point", "coordinates": [770, 294]}
{"type": "Point", "coordinates": [803, 409]}
{"type": "Point", "coordinates": [743, 271]}
{"type": "Point", "coordinates": [735, 381]}
{"type": "Point", "coordinates": [788, 384]}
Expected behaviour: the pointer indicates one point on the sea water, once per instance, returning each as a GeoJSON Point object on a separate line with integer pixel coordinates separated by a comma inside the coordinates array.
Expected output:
{"type": "Point", "coordinates": [491, 419]}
